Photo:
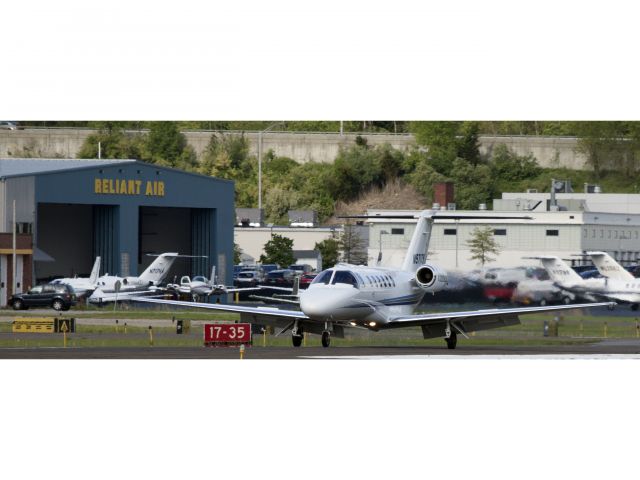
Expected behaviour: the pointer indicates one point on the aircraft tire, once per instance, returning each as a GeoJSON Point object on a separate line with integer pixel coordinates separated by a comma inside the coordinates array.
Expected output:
{"type": "Point", "coordinates": [543, 302]}
{"type": "Point", "coordinates": [297, 340]}
{"type": "Point", "coordinates": [634, 307]}
{"type": "Point", "coordinates": [326, 339]}
{"type": "Point", "coordinates": [452, 341]}
{"type": "Point", "coordinates": [566, 300]}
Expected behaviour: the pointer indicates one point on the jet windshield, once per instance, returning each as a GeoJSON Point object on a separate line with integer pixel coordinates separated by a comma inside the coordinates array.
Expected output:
{"type": "Point", "coordinates": [343, 276]}
{"type": "Point", "coordinates": [323, 277]}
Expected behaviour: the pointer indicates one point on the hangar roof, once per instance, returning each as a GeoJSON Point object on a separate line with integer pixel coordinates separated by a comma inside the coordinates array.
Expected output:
{"type": "Point", "coordinates": [17, 167]}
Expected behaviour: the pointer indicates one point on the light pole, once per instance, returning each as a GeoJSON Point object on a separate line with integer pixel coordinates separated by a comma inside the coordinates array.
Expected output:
{"type": "Point", "coordinates": [260, 161]}
{"type": "Point", "coordinates": [382, 232]}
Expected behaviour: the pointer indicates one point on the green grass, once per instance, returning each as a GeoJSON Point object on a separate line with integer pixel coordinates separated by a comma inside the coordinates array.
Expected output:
{"type": "Point", "coordinates": [572, 330]}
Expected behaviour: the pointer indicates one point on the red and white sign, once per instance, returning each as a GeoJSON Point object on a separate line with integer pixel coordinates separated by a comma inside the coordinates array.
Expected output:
{"type": "Point", "coordinates": [227, 334]}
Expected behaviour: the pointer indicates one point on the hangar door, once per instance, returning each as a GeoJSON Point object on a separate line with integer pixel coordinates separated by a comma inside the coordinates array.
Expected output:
{"type": "Point", "coordinates": [74, 235]}
{"type": "Point", "coordinates": [182, 230]}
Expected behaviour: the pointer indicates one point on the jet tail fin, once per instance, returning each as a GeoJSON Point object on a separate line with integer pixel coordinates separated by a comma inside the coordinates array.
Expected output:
{"type": "Point", "coordinates": [158, 269]}
{"type": "Point", "coordinates": [95, 271]}
{"type": "Point", "coordinates": [608, 267]}
{"type": "Point", "coordinates": [559, 271]}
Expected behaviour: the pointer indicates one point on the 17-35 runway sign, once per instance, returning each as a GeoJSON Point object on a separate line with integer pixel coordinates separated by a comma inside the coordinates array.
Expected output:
{"type": "Point", "coordinates": [227, 334]}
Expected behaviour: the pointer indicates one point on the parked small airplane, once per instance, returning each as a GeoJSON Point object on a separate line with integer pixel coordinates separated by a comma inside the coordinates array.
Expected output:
{"type": "Point", "coordinates": [110, 287]}
{"type": "Point", "coordinates": [199, 287]}
{"type": "Point", "coordinates": [618, 287]}
{"type": "Point", "coordinates": [378, 298]}
{"type": "Point", "coordinates": [81, 285]}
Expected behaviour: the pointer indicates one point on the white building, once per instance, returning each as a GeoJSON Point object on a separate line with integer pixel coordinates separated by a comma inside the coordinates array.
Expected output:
{"type": "Point", "coordinates": [562, 233]}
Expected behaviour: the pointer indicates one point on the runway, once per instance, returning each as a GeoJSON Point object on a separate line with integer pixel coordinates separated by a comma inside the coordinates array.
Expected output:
{"type": "Point", "coordinates": [606, 349]}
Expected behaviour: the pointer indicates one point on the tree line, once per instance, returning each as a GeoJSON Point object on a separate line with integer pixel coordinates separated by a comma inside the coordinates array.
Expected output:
{"type": "Point", "coordinates": [445, 151]}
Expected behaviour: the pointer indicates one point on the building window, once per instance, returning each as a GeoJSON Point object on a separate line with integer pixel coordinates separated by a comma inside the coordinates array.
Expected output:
{"type": "Point", "coordinates": [397, 231]}
{"type": "Point", "coordinates": [593, 233]}
{"type": "Point", "coordinates": [500, 231]}
{"type": "Point", "coordinates": [601, 233]}
{"type": "Point", "coordinates": [585, 233]}
{"type": "Point", "coordinates": [449, 231]}
{"type": "Point", "coordinates": [553, 233]}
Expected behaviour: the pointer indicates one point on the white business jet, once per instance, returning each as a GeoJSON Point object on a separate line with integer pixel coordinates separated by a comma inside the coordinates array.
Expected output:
{"type": "Point", "coordinates": [621, 284]}
{"type": "Point", "coordinates": [378, 298]}
{"type": "Point", "coordinates": [82, 285]}
{"type": "Point", "coordinates": [618, 286]}
{"type": "Point", "coordinates": [111, 288]}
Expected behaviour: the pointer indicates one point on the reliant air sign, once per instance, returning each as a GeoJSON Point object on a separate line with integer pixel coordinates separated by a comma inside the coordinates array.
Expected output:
{"type": "Point", "coordinates": [117, 186]}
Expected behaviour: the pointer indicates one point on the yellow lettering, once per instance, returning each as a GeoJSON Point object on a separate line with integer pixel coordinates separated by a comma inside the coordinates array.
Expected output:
{"type": "Point", "coordinates": [123, 187]}
{"type": "Point", "coordinates": [131, 187]}
{"type": "Point", "coordinates": [161, 189]}
{"type": "Point", "coordinates": [105, 185]}
{"type": "Point", "coordinates": [149, 190]}
{"type": "Point", "coordinates": [111, 189]}
{"type": "Point", "coordinates": [138, 183]}
{"type": "Point", "coordinates": [97, 186]}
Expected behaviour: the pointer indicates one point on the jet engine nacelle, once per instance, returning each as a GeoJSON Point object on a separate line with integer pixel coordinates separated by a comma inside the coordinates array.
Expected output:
{"type": "Point", "coordinates": [431, 278]}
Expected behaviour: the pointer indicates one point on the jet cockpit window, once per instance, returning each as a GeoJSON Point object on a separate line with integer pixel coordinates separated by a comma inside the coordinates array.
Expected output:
{"type": "Point", "coordinates": [199, 278]}
{"type": "Point", "coordinates": [324, 277]}
{"type": "Point", "coordinates": [343, 276]}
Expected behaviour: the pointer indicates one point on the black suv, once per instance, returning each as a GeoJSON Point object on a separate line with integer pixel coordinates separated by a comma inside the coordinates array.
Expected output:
{"type": "Point", "coordinates": [59, 297]}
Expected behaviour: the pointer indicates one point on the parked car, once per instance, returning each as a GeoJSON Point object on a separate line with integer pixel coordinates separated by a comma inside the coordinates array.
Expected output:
{"type": "Point", "coordinates": [59, 297]}
{"type": "Point", "coordinates": [279, 278]}
{"type": "Point", "coordinates": [306, 279]}
{"type": "Point", "coordinates": [247, 278]}
{"type": "Point", "coordinates": [302, 268]}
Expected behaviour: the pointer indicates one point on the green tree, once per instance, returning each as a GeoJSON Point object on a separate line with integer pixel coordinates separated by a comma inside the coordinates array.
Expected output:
{"type": "Point", "coordinates": [165, 145]}
{"type": "Point", "coordinates": [603, 143]}
{"type": "Point", "coordinates": [474, 185]}
{"type": "Point", "coordinates": [111, 141]}
{"type": "Point", "coordinates": [237, 252]}
{"type": "Point", "coordinates": [507, 165]}
{"type": "Point", "coordinates": [278, 250]}
{"type": "Point", "coordinates": [482, 245]}
{"type": "Point", "coordinates": [330, 251]}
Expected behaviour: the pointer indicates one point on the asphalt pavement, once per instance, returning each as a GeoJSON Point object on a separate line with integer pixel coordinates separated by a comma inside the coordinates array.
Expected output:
{"type": "Point", "coordinates": [627, 348]}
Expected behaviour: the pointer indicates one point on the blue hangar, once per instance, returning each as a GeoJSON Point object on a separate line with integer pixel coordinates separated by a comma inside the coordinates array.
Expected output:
{"type": "Point", "coordinates": [120, 210]}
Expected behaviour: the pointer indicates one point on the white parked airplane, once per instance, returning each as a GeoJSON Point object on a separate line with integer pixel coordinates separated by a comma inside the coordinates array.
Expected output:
{"type": "Point", "coordinates": [147, 281]}
{"type": "Point", "coordinates": [625, 286]}
{"type": "Point", "coordinates": [82, 286]}
{"type": "Point", "coordinates": [199, 287]}
{"type": "Point", "coordinates": [378, 298]}
{"type": "Point", "coordinates": [613, 288]}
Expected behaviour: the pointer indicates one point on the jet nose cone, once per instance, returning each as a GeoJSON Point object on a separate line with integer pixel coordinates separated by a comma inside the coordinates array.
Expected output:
{"type": "Point", "coordinates": [324, 301]}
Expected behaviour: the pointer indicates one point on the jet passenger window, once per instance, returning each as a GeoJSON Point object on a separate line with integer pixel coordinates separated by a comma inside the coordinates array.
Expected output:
{"type": "Point", "coordinates": [324, 277]}
{"type": "Point", "coordinates": [344, 277]}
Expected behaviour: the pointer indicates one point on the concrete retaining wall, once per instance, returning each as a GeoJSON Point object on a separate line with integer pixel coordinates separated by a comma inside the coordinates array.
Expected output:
{"type": "Point", "coordinates": [302, 147]}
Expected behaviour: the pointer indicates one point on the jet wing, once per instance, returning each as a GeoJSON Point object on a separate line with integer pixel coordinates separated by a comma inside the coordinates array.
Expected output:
{"type": "Point", "coordinates": [434, 324]}
{"type": "Point", "coordinates": [257, 311]}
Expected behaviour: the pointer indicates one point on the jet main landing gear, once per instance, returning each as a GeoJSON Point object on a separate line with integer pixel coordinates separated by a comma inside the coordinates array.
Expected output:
{"type": "Point", "coordinates": [326, 338]}
{"type": "Point", "coordinates": [297, 334]}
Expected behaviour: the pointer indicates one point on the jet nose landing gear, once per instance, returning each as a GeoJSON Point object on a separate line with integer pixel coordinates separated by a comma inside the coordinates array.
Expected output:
{"type": "Point", "coordinates": [326, 338]}
{"type": "Point", "coordinates": [452, 340]}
